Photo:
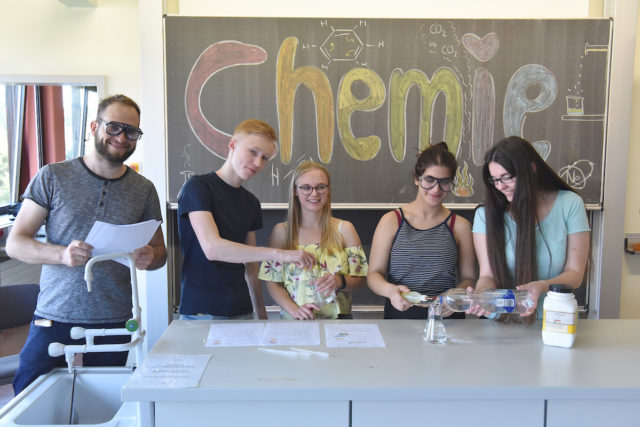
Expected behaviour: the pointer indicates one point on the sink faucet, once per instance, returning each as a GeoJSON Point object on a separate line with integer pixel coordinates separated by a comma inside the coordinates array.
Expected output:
{"type": "Point", "coordinates": [132, 326]}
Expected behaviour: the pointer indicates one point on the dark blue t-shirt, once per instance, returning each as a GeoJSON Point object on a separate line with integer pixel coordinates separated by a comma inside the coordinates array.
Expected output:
{"type": "Point", "coordinates": [215, 287]}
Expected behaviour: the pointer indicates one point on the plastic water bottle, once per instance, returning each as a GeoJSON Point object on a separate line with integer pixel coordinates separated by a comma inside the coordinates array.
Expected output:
{"type": "Point", "coordinates": [491, 300]}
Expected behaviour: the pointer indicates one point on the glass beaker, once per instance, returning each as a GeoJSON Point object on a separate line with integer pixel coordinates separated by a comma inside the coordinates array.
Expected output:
{"type": "Point", "coordinates": [575, 105]}
{"type": "Point", "coordinates": [324, 298]}
{"type": "Point", "coordinates": [435, 333]}
{"type": "Point", "coordinates": [309, 279]}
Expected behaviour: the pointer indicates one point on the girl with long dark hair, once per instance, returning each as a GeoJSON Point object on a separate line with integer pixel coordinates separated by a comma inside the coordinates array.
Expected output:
{"type": "Point", "coordinates": [532, 230]}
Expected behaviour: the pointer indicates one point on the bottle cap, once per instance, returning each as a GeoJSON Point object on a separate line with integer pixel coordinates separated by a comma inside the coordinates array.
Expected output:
{"type": "Point", "coordinates": [561, 289]}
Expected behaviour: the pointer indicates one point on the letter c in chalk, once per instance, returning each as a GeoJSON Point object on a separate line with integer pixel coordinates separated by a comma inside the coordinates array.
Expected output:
{"type": "Point", "coordinates": [216, 57]}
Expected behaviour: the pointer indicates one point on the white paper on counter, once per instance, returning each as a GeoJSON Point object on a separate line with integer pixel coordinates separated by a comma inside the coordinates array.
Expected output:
{"type": "Point", "coordinates": [291, 333]}
{"type": "Point", "coordinates": [169, 371]}
{"type": "Point", "coordinates": [353, 335]}
{"type": "Point", "coordinates": [111, 238]}
{"type": "Point", "coordinates": [239, 334]}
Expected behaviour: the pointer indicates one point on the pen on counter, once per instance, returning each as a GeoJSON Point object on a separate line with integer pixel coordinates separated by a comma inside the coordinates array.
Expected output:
{"type": "Point", "coordinates": [284, 352]}
{"type": "Point", "coordinates": [322, 354]}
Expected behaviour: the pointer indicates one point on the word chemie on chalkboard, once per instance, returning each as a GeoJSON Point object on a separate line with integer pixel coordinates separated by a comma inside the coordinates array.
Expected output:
{"type": "Point", "coordinates": [387, 81]}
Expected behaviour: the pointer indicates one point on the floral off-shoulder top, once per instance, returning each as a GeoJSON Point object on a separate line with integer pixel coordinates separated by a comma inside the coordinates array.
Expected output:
{"type": "Point", "coordinates": [348, 262]}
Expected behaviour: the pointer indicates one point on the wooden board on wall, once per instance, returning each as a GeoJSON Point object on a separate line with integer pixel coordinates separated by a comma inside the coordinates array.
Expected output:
{"type": "Point", "coordinates": [364, 96]}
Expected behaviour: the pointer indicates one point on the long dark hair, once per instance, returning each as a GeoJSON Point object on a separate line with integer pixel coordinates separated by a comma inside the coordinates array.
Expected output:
{"type": "Point", "coordinates": [518, 157]}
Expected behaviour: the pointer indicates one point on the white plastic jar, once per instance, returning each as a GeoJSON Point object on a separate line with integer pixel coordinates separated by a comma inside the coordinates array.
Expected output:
{"type": "Point", "coordinates": [560, 318]}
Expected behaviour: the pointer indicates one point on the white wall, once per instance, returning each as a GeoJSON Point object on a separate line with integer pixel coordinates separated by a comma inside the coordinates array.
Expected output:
{"type": "Point", "coordinates": [380, 9]}
{"type": "Point", "coordinates": [630, 298]}
{"type": "Point", "coordinates": [608, 227]}
{"type": "Point", "coordinates": [46, 37]}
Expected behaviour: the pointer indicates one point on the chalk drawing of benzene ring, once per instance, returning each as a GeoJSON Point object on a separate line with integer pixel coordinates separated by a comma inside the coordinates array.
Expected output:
{"type": "Point", "coordinates": [342, 45]}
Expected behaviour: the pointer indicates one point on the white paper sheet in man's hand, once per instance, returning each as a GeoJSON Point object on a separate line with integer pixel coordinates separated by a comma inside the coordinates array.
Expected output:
{"type": "Point", "coordinates": [111, 238]}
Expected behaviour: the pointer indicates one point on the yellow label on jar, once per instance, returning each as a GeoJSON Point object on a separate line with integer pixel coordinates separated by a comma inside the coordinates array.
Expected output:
{"type": "Point", "coordinates": [559, 321]}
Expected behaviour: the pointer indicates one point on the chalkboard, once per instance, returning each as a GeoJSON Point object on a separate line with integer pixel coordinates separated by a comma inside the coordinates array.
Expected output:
{"type": "Point", "coordinates": [364, 96]}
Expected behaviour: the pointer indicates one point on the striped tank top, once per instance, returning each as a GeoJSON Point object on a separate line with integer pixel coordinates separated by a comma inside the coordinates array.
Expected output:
{"type": "Point", "coordinates": [425, 261]}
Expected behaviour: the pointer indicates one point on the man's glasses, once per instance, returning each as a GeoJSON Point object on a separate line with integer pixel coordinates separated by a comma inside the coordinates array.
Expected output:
{"type": "Point", "coordinates": [116, 128]}
{"type": "Point", "coordinates": [428, 182]}
{"type": "Point", "coordinates": [505, 179]}
{"type": "Point", "coordinates": [307, 189]}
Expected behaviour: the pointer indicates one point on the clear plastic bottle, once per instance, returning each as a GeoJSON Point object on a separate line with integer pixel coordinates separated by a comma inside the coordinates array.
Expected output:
{"type": "Point", "coordinates": [560, 316]}
{"type": "Point", "coordinates": [491, 300]}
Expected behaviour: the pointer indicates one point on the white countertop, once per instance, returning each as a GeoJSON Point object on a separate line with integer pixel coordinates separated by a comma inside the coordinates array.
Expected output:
{"type": "Point", "coordinates": [483, 359]}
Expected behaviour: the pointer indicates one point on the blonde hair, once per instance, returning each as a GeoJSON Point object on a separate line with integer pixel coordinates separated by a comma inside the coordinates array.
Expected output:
{"type": "Point", "coordinates": [257, 127]}
{"type": "Point", "coordinates": [331, 237]}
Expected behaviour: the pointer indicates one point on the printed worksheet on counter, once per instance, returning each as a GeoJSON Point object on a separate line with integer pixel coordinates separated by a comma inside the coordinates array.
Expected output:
{"type": "Point", "coordinates": [169, 371]}
{"type": "Point", "coordinates": [291, 333]}
{"type": "Point", "coordinates": [353, 335]}
{"type": "Point", "coordinates": [238, 334]}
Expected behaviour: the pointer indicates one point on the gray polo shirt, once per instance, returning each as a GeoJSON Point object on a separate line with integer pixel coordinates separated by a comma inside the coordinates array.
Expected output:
{"type": "Point", "coordinates": [75, 198]}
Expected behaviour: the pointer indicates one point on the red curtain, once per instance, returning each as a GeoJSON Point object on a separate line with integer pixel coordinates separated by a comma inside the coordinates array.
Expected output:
{"type": "Point", "coordinates": [53, 129]}
{"type": "Point", "coordinates": [52, 119]}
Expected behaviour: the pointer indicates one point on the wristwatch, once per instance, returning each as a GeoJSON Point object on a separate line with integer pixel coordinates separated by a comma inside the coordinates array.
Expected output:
{"type": "Point", "coordinates": [344, 283]}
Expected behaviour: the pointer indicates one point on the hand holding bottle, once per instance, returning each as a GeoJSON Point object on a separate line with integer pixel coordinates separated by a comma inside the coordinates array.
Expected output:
{"type": "Point", "coordinates": [535, 289]}
{"type": "Point", "coordinates": [327, 285]}
{"type": "Point", "coordinates": [398, 301]}
{"type": "Point", "coordinates": [476, 310]}
{"type": "Point", "coordinates": [446, 311]}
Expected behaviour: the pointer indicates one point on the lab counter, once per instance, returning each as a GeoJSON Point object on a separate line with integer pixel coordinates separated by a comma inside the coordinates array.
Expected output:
{"type": "Point", "coordinates": [487, 374]}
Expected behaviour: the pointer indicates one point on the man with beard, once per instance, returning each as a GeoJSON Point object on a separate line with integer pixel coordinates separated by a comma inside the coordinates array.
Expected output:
{"type": "Point", "coordinates": [69, 197]}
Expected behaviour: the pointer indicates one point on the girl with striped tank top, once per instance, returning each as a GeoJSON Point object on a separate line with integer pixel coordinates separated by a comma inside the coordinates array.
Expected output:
{"type": "Point", "coordinates": [422, 246]}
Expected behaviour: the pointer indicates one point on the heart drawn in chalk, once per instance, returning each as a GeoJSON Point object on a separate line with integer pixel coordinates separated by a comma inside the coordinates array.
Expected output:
{"type": "Point", "coordinates": [483, 49]}
{"type": "Point", "coordinates": [543, 148]}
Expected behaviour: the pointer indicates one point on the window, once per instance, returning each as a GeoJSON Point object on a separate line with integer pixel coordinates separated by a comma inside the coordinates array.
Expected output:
{"type": "Point", "coordinates": [10, 149]}
{"type": "Point", "coordinates": [80, 105]}
{"type": "Point", "coordinates": [4, 151]}
{"type": "Point", "coordinates": [40, 124]}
